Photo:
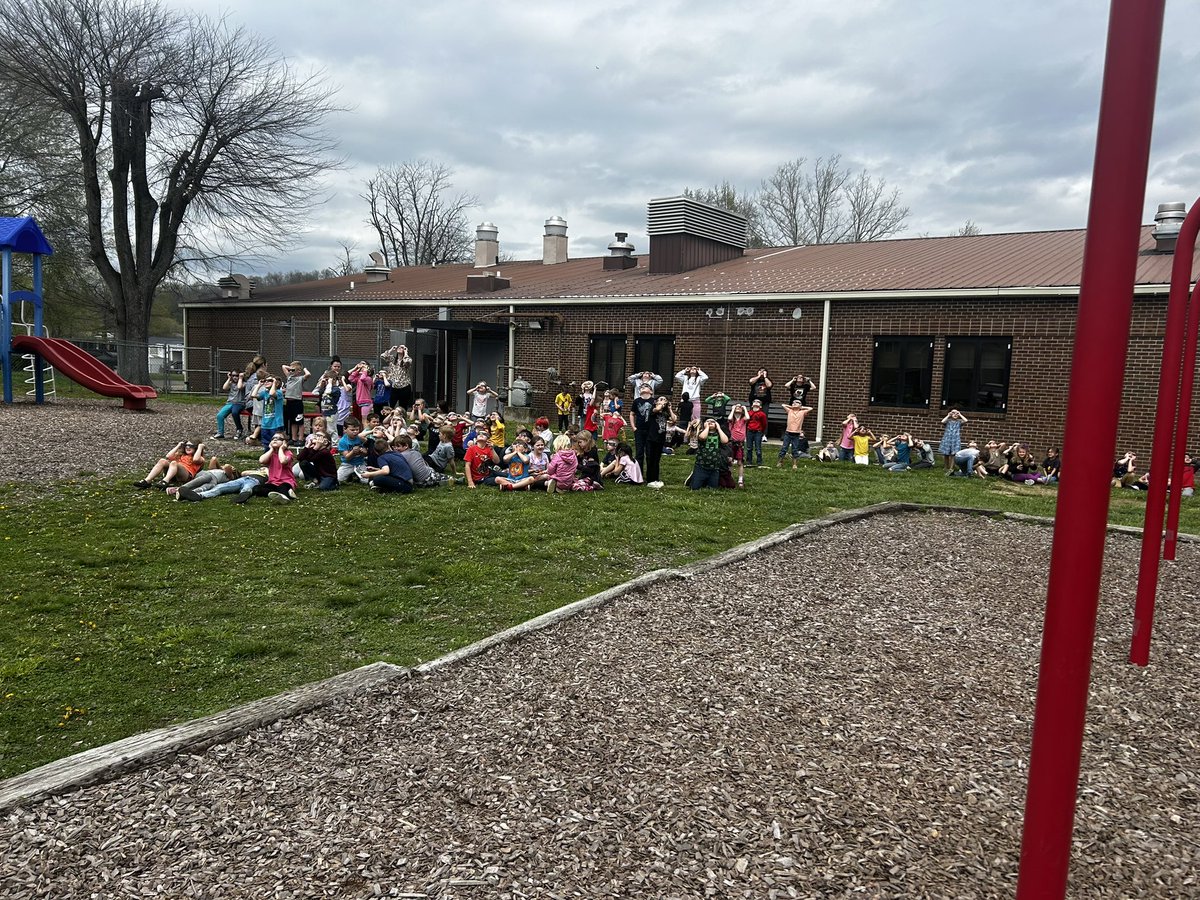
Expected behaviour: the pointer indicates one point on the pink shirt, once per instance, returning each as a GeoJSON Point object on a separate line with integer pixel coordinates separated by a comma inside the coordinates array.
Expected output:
{"type": "Point", "coordinates": [847, 435]}
{"type": "Point", "coordinates": [737, 429]}
{"type": "Point", "coordinates": [281, 472]}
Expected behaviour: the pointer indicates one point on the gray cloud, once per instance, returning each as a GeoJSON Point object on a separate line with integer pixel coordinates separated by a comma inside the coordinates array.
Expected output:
{"type": "Point", "coordinates": [589, 110]}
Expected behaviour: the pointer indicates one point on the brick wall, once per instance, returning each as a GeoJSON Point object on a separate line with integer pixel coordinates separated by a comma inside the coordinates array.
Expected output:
{"type": "Point", "coordinates": [732, 342]}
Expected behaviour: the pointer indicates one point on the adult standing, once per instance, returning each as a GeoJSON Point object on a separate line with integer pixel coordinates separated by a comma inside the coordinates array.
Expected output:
{"type": "Point", "coordinates": [951, 437]}
{"type": "Point", "coordinates": [664, 418]}
{"type": "Point", "coordinates": [799, 387]}
{"type": "Point", "coordinates": [399, 371]}
{"type": "Point", "coordinates": [639, 378]}
{"type": "Point", "coordinates": [760, 389]}
{"type": "Point", "coordinates": [642, 415]}
{"type": "Point", "coordinates": [692, 380]}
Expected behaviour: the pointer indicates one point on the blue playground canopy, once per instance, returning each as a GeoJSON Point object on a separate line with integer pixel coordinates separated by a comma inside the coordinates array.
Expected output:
{"type": "Point", "coordinates": [22, 235]}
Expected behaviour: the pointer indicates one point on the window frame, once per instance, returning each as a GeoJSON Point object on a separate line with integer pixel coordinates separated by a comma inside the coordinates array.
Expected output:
{"type": "Point", "coordinates": [659, 341]}
{"type": "Point", "coordinates": [906, 341]}
{"type": "Point", "coordinates": [608, 341]}
{"type": "Point", "coordinates": [979, 342]}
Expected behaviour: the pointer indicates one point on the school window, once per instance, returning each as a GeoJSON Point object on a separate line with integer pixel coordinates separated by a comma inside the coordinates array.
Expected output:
{"type": "Point", "coordinates": [901, 371]}
{"type": "Point", "coordinates": [606, 359]}
{"type": "Point", "coordinates": [976, 373]}
{"type": "Point", "coordinates": [656, 353]}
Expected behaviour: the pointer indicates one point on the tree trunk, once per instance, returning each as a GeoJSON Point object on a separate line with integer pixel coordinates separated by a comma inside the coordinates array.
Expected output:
{"type": "Point", "coordinates": [133, 338]}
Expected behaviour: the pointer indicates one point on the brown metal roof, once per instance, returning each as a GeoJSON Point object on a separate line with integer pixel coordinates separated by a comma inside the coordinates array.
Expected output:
{"type": "Point", "coordinates": [1036, 260]}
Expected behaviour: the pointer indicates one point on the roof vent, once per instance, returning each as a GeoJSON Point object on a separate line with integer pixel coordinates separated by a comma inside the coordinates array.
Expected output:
{"type": "Point", "coordinates": [686, 234]}
{"type": "Point", "coordinates": [620, 253]}
{"type": "Point", "coordinates": [486, 283]}
{"type": "Point", "coordinates": [378, 270]}
{"type": "Point", "coordinates": [1168, 221]}
{"type": "Point", "coordinates": [487, 245]}
{"type": "Point", "coordinates": [236, 287]}
{"type": "Point", "coordinates": [554, 244]}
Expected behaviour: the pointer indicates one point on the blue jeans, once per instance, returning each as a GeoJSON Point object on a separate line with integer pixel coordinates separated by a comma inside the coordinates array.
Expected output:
{"type": "Point", "coordinates": [754, 445]}
{"type": "Point", "coordinates": [704, 478]}
{"type": "Point", "coordinates": [230, 409]}
{"type": "Point", "coordinates": [791, 439]}
{"type": "Point", "coordinates": [243, 485]}
{"type": "Point", "coordinates": [896, 467]}
{"type": "Point", "coordinates": [390, 484]}
{"type": "Point", "coordinates": [845, 454]}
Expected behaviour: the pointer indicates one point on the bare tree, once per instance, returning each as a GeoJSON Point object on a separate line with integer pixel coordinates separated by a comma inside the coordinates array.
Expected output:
{"type": "Point", "coordinates": [187, 133]}
{"type": "Point", "coordinates": [726, 196]}
{"type": "Point", "coordinates": [968, 229]}
{"type": "Point", "coordinates": [418, 220]}
{"type": "Point", "coordinates": [827, 204]}
{"type": "Point", "coordinates": [347, 263]}
{"type": "Point", "coordinates": [873, 213]}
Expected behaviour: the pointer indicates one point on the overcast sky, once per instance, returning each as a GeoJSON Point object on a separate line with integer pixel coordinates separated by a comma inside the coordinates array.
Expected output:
{"type": "Point", "coordinates": [974, 111]}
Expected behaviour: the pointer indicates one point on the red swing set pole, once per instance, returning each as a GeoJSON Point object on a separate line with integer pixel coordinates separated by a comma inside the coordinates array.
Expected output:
{"type": "Point", "coordinates": [1160, 452]}
{"type": "Point", "coordinates": [1093, 408]}
{"type": "Point", "coordinates": [1187, 380]}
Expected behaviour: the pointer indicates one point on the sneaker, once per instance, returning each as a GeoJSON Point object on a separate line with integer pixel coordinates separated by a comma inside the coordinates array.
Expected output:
{"type": "Point", "coordinates": [291, 494]}
{"type": "Point", "coordinates": [242, 497]}
{"type": "Point", "coordinates": [188, 496]}
{"type": "Point", "coordinates": [141, 485]}
{"type": "Point", "coordinates": [216, 436]}
{"type": "Point", "coordinates": [240, 436]}
{"type": "Point", "coordinates": [278, 498]}
{"type": "Point", "coordinates": [655, 484]}
{"type": "Point", "coordinates": [172, 491]}
{"type": "Point", "coordinates": [551, 486]}
{"type": "Point", "coordinates": [162, 485]}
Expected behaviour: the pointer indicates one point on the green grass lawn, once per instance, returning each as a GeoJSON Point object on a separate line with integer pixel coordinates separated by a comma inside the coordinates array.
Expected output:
{"type": "Point", "coordinates": [123, 611]}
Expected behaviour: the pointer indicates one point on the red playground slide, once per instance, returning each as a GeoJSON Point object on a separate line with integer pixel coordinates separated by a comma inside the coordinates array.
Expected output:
{"type": "Point", "coordinates": [82, 367]}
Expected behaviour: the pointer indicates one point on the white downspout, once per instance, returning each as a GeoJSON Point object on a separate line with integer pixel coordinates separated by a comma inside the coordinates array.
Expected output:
{"type": "Point", "coordinates": [824, 374]}
{"type": "Point", "coordinates": [332, 327]}
{"type": "Point", "coordinates": [512, 348]}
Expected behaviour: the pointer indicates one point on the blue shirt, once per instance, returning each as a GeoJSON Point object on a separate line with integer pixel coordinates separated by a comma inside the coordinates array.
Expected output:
{"type": "Point", "coordinates": [272, 414]}
{"type": "Point", "coordinates": [396, 465]}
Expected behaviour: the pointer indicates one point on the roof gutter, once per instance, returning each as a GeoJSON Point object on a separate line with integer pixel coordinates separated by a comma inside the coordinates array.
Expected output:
{"type": "Point", "coordinates": [1069, 291]}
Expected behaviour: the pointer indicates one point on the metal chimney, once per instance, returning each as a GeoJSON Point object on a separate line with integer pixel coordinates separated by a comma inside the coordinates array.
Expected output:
{"type": "Point", "coordinates": [620, 253]}
{"type": "Point", "coordinates": [1168, 221]}
{"type": "Point", "coordinates": [554, 244]}
{"type": "Point", "coordinates": [487, 245]}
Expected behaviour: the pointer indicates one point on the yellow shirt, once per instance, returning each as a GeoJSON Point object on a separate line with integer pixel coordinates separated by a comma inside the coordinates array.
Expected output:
{"type": "Point", "coordinates": [862, 444]}
{"type": "Point", "coordinates": [496, 433]}
{"type": "Point", "coordinates": [564, 402]}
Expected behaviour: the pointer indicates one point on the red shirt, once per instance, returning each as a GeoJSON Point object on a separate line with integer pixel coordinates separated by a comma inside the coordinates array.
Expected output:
{"type": "Point", "coordinates": [480, 461]}
{"type": "Point", "coordinates": [589, 419]}
{"type": "Point", "coordinates": [758, 420]}
{"type": "Point", "coordinates": [460, 429]}
{"type": "Point", "coordinates": [612, 427]}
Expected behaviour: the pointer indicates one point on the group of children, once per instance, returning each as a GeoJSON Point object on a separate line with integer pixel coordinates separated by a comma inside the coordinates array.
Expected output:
{"type": "Point", "coordinates": [361, 434]}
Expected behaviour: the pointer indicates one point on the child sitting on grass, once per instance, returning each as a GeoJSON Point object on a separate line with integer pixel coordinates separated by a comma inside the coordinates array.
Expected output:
{"type": "Point", "coordinates": [185, 459]}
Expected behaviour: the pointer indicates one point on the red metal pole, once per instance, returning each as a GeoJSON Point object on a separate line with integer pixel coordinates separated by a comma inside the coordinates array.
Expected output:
{"type": "Point", "coordinates": [1186, 382]}
{"type": "Point", "coordinates": [1160, 449]}
{"type": "Point", "coordinates": [1093, 408]}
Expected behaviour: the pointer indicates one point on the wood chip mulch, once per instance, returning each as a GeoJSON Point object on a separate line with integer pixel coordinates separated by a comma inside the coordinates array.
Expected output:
{"type": "Point", "coordinates": [847, 715]}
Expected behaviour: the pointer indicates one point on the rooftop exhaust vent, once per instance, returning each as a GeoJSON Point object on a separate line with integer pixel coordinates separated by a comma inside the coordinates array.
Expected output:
{"type": "Point", "coordinates": [1167, 222]}
{"type": "Point", "coordinates": [378, 270]}
{"type": "Point", "coordinates": [686, 234]}
{"type": "Point", "coordinates": [554, 243]}
{"type": "Point", "coordinates": [237, 287]}
{"type": "Point", "coordinates": [487, 245]}
{"type": "Point", "coordinates": [620, 253]}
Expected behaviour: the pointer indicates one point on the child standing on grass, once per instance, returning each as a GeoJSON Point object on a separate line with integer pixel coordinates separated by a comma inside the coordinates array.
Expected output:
{"type": "Point", "coordinates": [756, 430]}
{"type": "Point", "coordinates": [738, 427]}
{"type": "Point", "coordinates": [564, 403]}
{"type": "Point", "coordinates": [794, 431]}
{"type": "Point", "coordinates": [846, 444]}
{"type": "Point", "coordinates": [381, 393]}
{"type": "Point", "coordinates": [363, 380]}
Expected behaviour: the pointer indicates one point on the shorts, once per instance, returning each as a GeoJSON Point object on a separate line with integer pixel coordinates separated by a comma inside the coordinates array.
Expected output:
{"type": "Point", "coordinates": [293, 411]}
{"type": "Point", "coordinates": [862, 460]}
{"type": "Point", "coordinates": [738, 451]}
